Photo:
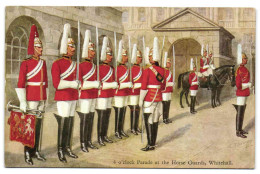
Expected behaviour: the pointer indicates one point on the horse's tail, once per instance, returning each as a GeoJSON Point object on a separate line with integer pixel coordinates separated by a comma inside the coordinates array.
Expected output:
{"type": "Point", "coordinates": [180, 80]}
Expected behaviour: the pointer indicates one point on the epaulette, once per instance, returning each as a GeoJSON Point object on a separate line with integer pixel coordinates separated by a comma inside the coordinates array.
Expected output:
{"type": "Point", "coordinates": [237, 71]}
{"type": "Point", "coordinates": [147, 66]}
{"type": "Point", "coordinates": [58, 59]}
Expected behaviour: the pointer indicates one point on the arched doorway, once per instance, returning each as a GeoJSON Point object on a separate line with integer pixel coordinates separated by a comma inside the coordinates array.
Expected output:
{"type": "Point", "coordinates": [185, 49]}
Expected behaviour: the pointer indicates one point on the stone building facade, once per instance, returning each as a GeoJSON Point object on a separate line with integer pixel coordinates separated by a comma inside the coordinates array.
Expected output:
{"type": "Point", "coordinates": [188, 28]}
{"type": "Point", "coordinates": [184, 28]}
{"type": "Point", "coordinates": [50, 22]}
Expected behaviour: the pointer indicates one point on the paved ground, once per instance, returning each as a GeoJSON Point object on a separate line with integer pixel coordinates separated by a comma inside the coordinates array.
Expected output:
{"type": "Point", "coordinates": [204, 140]}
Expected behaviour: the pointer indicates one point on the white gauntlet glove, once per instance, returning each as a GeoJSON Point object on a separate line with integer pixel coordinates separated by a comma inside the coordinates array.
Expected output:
{"type": "Point", "coordinates": [137, 85]}
{"type": "Point", "coordinates": [194, 83]}
{"type": "Point", "coordinates": [90, 85]}
{"type": "Point", "coordinates": [246, 85]}
{"type": "Point", "coordinates": [142, 96]}
{"type": "Point", "coordinates": [109, 85]}
{"type": "Point", "coordinates": [126, 85]}
{"type": "Point", "coordinates": [21, 93]}
{"type": "Point", "coordinates": [64, 84]}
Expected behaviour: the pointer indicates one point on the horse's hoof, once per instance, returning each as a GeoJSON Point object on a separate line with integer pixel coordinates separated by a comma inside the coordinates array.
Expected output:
{"type": "Point", "coordinates": [182, 107]}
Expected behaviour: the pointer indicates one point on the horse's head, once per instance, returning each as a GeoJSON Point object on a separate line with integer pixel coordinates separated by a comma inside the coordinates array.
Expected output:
{"type": "Point", "coordinates": [232, 75]}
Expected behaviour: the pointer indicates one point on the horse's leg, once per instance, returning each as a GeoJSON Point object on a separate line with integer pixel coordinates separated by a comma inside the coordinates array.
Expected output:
{"type": "Point", "coordinates": [218, 96]}
{"type": "Point", "coordinates": [186, 96]}
{"type": "Point", "coordinates": [213, 94]}
{"type": "Point", "coordinates": [181, 94]}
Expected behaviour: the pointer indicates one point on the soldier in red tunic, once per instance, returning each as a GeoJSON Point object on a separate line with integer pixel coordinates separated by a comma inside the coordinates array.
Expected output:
{"type": "Point", "coordinates": [194, 85]}
{"type": "Point", "coordinates": [89, 93]}
{"type": "Point", "coordinates": [121, 92]}
{"type": "Point", "coordinates": [31, 89]}
{"type": "Point", "coordinates": [137, 77]}
{"type": "Point", "coordinates": [243, 91]}
{"type": "Point", "coordinates": [106, 93]}
{"type": "Point", "coordinates": [64, 81]}
{"type": "Point", "coordinates": [151, 96]}
{"type": "Point", "coordinates": [167, 92]}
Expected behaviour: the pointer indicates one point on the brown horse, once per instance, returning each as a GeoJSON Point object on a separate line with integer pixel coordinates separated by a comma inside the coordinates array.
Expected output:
{"type": "Point", "coordinates": [219, 78]}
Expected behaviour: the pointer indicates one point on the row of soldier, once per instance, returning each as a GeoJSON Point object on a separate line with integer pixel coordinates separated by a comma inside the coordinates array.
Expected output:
{"type": "Point", "coordinates": [96, 88]}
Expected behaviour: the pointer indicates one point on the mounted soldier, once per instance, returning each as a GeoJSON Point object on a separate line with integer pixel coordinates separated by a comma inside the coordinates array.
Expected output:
{"type": "Point", "coordinates": [89, 93]}
{"type": "Point", "coordinates": [32, 90]}
{"type": "Point", "coordinates": [151, 96]}
{"type": "Point", "coordinates": [122, 92]}
{"type": "Point", "coordinates": [137, 76]}
{"type": "Point", "coordinates": [64, 81]}
{"type": "Point", "coordinates": [205, 66]}
{"type": "Point", "coordinates": [106, 92]}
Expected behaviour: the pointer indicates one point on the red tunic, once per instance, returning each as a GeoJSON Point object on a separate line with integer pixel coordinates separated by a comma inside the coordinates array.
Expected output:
{"type": "Point", "coordinates": [242, 76]}
{"type": "Point", "coordinates": [122, 77]}
{"type": "Point", "coordinates": [137, 77]}
{"type": "Point", "coordinates": [60, 66]}
{"type": "Point", "coordinates": [169, 78]}
{"type": "Point", "coordinates": [193, 78]}
{"type": "Point", "coordinates": [88, 72]}
{"type": "Point", "coordinates": [149, 78]}
{"type": "Point", "coordinates": [106, 74]}
{"type": "Point", "coordinates": [33, 77]}
{"type": "Point", "coordinates": [202, 64]}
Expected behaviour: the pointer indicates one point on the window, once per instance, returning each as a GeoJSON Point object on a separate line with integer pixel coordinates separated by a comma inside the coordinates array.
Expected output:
{"type": "Point", "coordinates": [16, 50]}
{"type": "Point", "coordinates": [125, 16]}
{"type": "Point", "coordinates": [141, 15]}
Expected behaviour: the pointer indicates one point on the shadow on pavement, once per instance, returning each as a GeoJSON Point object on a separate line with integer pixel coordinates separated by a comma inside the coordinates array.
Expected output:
{"type": "Point", "coordinates": [250, 125]}
{"type": "Point", "coordinates": [174, 135]}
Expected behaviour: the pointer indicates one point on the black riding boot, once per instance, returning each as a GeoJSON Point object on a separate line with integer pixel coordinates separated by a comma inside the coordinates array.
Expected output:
{"type": "Point", "coordinates": [168, 111]}
{"type": "Point", "coordinates": [27, 155]}
{"type": "Point", "coordinates": [154, 133]}
{"type": "Point", "coordinates": [69, 139]}
{"type": "Point", "coordinates": [101, 117]}
{"type": "Point", "coordinates": [62, 136]}
{"type": "Point", "coordinates": [118, 113]}
{"type": "Point", "coordinates": [90, 129]}
{"type": "Point", "coordinates": [37, 145]}
{"type": "Point", "coordinates": [149, 128]}
{"type": "Point", "coordinates": [132, 118]}
{"type": "Point", "coordinates": [164, 103]}
{"type": "Point", "coordinates": [84, 119]}
{"type": "Point", "coordinates": [239, 120]}
{"type": "Point", "coordinates": [194, 103]}
{"type": "Point", "coordinates": [106, 125]}
{"type": "Point", "coordinates": [137, 113]}
{"type": "Point", "coordinates": [122, 123]}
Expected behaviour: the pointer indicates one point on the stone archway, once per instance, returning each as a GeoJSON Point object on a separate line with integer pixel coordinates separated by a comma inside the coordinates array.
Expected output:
{"type": "Point", "coordinates": [185, 49]}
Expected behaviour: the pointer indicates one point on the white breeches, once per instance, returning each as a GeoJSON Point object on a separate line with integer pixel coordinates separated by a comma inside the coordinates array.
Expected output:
{"type": "Point", "coordinates": [134, 100]}
{"type": "Point", "coordinates": [155, 109]}
{"type": "Point", "coordinates": [167, 96]}
{"type": "Point", "coordinates": [39, 105]}
{"type": "Point", "coordinates": [87, 105]}
{"type": "Point", "coordinates": [241, 101]}
{"type": "Point", "coordinates": [193, 92]}
{"type": "Point", "coordinates": [66, 108]}
{"type": "Point", "coordinates": [120, 101]}
{"type": "Point", "coordinates": [208, 72]}
{"type": "Point", "coordinates": [104, 103]}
